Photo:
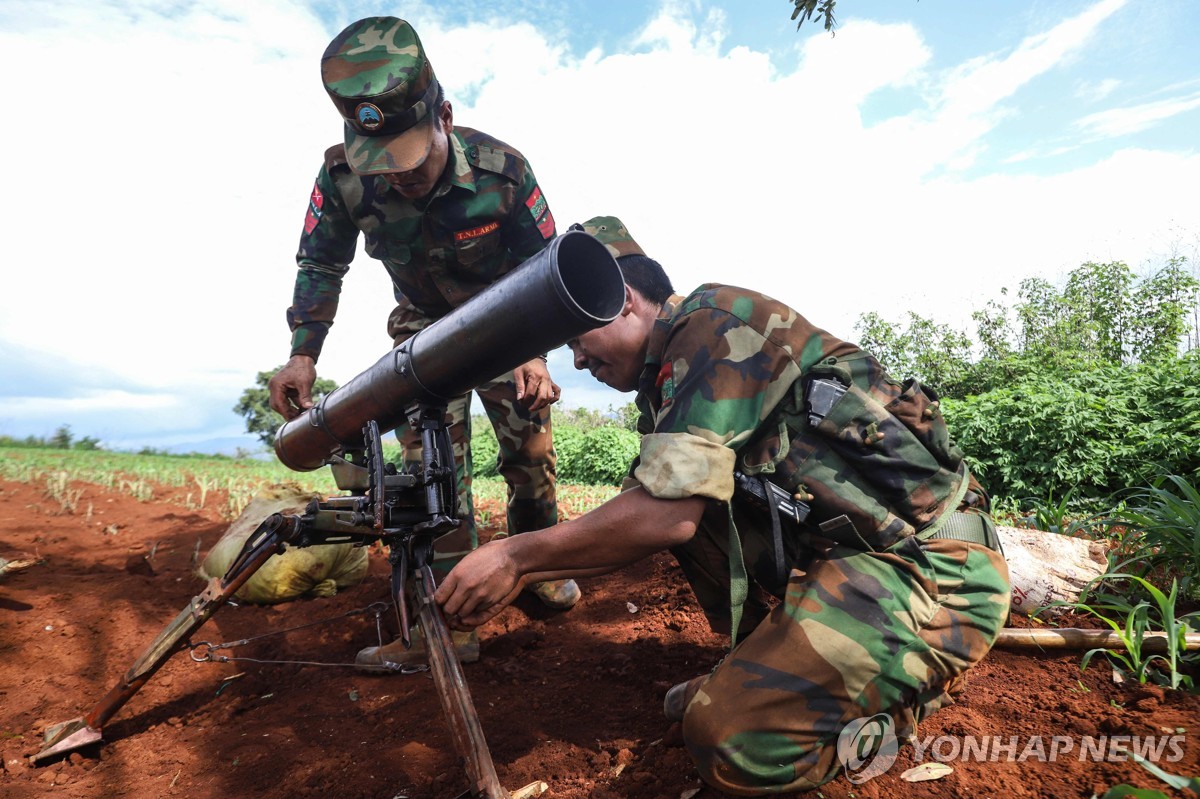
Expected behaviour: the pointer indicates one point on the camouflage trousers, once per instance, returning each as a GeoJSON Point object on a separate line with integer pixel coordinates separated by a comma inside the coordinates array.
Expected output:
{"type": "Point", "coordinates": [857, 634]}
{"type": "Point", "coordinates": [526, 459]}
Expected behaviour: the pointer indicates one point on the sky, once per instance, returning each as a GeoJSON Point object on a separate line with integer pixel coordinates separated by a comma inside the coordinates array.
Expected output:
{"type": "Point", "coordinates": [931, 154]}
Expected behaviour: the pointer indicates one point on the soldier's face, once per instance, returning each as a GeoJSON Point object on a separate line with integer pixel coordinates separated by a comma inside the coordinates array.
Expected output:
{"type": "Point", "coordinates": [615, 353]}
{"type": "Point", "coordinates": [419, 182]}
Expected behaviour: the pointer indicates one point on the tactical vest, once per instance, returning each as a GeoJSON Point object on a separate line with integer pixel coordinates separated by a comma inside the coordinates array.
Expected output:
{"type": "Point", "coordinates": [870, 458]}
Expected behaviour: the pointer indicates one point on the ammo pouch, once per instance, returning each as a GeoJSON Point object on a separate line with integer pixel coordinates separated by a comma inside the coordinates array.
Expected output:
{"type": "Point", "coordinates": [872, 456]}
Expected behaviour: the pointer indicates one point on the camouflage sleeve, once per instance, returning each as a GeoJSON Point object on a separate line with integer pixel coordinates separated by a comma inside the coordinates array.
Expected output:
{"type": "Point", "coordinates": [530, 224]}
{"type": "Point", "coordinates": [679, 465]}
{"type": "Point", "coordinates": [326, 248]}
{"type": "Point", "coordinates": [719, 381]}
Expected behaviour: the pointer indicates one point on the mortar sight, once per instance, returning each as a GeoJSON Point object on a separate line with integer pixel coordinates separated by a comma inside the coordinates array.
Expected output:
{"type": "Point", "coordinates": [570, 287]}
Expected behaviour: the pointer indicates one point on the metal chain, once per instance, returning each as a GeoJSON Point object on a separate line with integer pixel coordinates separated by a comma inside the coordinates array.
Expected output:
{"type": "Point", "coordinates": [204, 651]}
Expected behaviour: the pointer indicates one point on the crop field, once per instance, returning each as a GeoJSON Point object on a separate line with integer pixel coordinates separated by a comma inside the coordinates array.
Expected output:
{"type": "Point", "coordinates": [570, 699]}
{"type": "Point", "coordinates": [224, 484]}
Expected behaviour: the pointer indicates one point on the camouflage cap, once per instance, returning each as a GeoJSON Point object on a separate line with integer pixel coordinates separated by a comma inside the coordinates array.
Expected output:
{"type": "Point", "coordinates": [612, 233]}
{"type": "Point", "coordinates": [377, 75]}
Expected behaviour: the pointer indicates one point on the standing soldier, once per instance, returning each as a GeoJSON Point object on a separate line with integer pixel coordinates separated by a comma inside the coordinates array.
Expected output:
{"type": "Point", "coordinates": [448, 210]}
{"type": "Point", "coordinates": [777, 458]}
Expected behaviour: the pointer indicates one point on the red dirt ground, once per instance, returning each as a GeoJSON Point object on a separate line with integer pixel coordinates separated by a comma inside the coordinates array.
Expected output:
{"type": "Point", "coordinates": [573, 699]}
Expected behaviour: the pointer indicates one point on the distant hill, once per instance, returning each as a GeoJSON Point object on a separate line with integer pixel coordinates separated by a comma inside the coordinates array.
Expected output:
{"type": "Point", "coordinates": [228, 445]}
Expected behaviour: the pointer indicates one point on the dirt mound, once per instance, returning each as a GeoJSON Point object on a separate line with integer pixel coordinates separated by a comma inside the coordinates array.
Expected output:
{"type": "Point", "coordinates": [573, 699]}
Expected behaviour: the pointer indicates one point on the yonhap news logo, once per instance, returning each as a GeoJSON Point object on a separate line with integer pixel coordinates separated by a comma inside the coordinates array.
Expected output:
{"type": "Point", "coordinates": [867, 747]}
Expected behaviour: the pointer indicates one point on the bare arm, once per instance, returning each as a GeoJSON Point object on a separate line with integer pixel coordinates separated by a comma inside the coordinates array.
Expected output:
{"type": "Point", "coordinates": [627, 528]}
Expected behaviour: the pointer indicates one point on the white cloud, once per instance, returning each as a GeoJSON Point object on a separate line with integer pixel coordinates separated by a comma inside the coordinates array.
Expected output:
{"type": "Point", "coordinates": [971, 100]}
{"type": "Point", "coordinates": [157, 214]}
{"type": "Point", "coordinates": [1135, 118]}
{"type": "Point", "coordinates": [95, 400]}
{"type": "Point", "coordinates": [1095, 91]}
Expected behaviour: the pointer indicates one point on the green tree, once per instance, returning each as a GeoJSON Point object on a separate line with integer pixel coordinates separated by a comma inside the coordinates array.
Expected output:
{"type": "Point", "coordinates": [1162, 304]}
{"type": "Point", "coordinates": [580, 417]}
{"type": "Point", "coordinates": [62, 437]}
{"type": "Point", "coordinates": [937, 355]}
{"type": "Point", "coordinates": [823, 9]}
{"type": "Point", "coordinates": [255, 405]}
{"type": "Point", "coordinates": [1103, 315]}
{"type": "Point", "coordinates": [626, 416]}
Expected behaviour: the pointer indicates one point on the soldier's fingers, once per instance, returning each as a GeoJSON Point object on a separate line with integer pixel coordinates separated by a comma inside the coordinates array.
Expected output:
{"type": "Point", "coordinates": [457, 623]}
{"type": "Point", "coordinates": [445, 595]}
{"type": "Point", "coordinates": [541, 399]}
{"type": "Point", "coordinates": [478, 619]}
{"type": "Point", "coordinates": [277, 398]}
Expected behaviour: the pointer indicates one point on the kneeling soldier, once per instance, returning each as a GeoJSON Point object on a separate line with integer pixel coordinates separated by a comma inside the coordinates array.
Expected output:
{"type": "Point", "coordinates": [775, 457]}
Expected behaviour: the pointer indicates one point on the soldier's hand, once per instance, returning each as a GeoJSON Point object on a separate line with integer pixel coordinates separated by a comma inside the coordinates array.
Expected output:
{"type": "Point", "coordinates": [481, 585]}
{"type": "Point", "coordinates": [534, 386]}
{"type": "Point", "coordinates": [291, 387]}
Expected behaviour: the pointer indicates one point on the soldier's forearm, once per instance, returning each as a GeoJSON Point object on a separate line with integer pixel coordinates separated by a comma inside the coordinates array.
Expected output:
{"type": "Point", "coordinates": [630, 526]}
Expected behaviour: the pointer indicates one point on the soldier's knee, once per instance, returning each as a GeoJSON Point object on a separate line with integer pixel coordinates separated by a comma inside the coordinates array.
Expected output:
{"type": "Point", "coordinates": [735, 755]}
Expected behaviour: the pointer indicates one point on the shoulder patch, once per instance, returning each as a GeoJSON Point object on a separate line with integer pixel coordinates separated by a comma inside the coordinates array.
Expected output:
{"type": "Point", "coordinates": [492, 155]}
{"type": "Point", "coordinates": [666, 383]}
{"type": "Point", "coordinates": [540, 211]}
{"type": "Point", "coordinates": [316, 206]}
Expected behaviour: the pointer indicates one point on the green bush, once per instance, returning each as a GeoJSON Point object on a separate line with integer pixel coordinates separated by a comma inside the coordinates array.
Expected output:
{"type": "Point", "coordinates": [596, 452]}
{"type": "Point", "coordinates": [484, 448]}
{"type": "Point", "coordinates": [595, 456]}
{"type": "Point", "coordinates": [1093, 433]}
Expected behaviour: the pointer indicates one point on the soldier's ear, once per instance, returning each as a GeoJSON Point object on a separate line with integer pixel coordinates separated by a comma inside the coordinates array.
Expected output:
{"type": "Point", "coordinates": [630, 298]}
{"type": "Point", "coordinates": [446, 116]}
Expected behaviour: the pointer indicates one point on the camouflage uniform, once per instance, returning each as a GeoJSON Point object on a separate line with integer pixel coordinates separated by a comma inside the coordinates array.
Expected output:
{"type": "Point", "coordinates": [876, 615]}
{"type": "Point", "coordinates": [485, 217]}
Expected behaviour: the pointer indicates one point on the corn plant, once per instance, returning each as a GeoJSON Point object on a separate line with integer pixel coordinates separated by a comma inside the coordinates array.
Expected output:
{"type": "Point", "coordinates": [58, 488]}
{"type": "Point", "coordinates": [1050, 515]}
{"type": "Point", "coordinates": [204, 485]}
{"type": "Point", "coordinates": [1132, 621]}
{"type": "Point", "coordinates": [1163, 531]}
{"type": "Point", "coordinates": [1176, 781]}
{"type": "Point", "coordinates": [1007, 511]}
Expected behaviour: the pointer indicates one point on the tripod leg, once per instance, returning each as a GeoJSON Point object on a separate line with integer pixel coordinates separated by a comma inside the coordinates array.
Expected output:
{"type": "Point", "coordinates": [70, 735]}
{"type": "Point", "coordinates": [452, 691]}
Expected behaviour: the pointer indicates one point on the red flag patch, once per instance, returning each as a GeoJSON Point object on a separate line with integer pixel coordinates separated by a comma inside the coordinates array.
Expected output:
{"type": "Point", "coordinates": [666, 383]}
{"type": "Point", "coordinates": [664, 374]}
{"type": "Point", "coordinates": [540, 211]}
{"type": "Point", "coordinates": [315, 203]}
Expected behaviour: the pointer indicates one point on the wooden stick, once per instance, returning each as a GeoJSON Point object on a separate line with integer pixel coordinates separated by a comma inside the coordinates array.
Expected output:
{"type": "Point", "coordinates": [1075, 638]}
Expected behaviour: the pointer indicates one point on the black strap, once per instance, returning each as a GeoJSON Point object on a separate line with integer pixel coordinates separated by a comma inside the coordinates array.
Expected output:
{"type": "Point", "coordinates": [781, 569]}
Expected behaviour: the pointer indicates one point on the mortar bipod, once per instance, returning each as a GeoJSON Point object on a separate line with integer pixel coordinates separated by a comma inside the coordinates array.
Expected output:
{"type": "Point", "coordinates": [274, 531]}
